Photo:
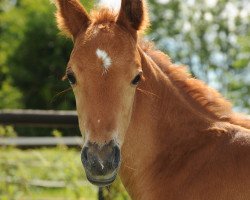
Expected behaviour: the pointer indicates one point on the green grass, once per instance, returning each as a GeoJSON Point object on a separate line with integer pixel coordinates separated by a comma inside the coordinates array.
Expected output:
{"type": "Point", "coordinates": [23, 171]}
{"type": "Point", "coordinates": [60, 194]}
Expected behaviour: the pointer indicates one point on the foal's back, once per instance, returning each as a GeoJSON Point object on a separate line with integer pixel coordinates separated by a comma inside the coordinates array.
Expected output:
{"type": "Point", "coordinates": [219, 170]}
{"type": "Point", "coordinates": [226, 174]}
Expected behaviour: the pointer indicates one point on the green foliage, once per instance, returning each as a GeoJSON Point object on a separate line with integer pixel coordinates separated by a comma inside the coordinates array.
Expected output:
{"type": "Point", "coordinates": [28, 174]}
{"type": "Point", "coordinates": [116, 192]}
{"type": "Point", "coordinates": [33, 56]}
{"type": "Point", "coordinates": [38, 62]}
{"type": "Point", "coordinates": [57, 133]}
{"type": "Point", "coordinates": [240, 86]}
{"type": "Point", "coordinates": [7, 131]}
{"type": "Point", "coordinates": [10, 35]}
{"type": "Point", "coordinates": [244, 54]}
{"type": "Point", "coordinates": [10, 96]}
{"type": "Point", "coordinates": [207, 36]}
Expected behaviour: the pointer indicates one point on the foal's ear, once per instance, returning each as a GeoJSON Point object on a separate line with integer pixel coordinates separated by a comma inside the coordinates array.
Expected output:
{"type": "Point", "coordinates": [71, 17]}
{"type": "Point", "coordinates": [133, 15]}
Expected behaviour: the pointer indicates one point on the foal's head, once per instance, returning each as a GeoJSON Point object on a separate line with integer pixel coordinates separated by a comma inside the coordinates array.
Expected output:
{"type": "Point", "coordinates": [104, 70]}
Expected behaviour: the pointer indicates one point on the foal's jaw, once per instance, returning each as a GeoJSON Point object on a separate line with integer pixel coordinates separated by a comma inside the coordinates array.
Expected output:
{"type": "Point", "coordinates": [101, 162]}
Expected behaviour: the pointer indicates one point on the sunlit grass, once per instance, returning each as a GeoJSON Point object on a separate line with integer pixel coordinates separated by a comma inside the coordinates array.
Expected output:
{"type": "Point", "coordinates": [25, 173]}
{"type": "Point", "coordinates": [48, 173]}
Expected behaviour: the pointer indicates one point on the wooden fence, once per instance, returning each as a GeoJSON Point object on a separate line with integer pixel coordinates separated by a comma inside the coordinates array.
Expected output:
{"type": "Point", "coordinates": [41, 118]}
{"type": "Point", "coordinates": [48, 118]}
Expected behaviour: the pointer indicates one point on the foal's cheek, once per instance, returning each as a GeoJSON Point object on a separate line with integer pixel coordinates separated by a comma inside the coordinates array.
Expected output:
{"type": "Point", "coordinates": [125, 115]}
{"type": "Point", "coordinates": [80, 114]}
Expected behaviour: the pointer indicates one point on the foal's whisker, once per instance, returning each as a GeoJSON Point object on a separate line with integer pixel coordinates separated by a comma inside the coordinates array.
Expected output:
{"type": "Point", "coordinates": [130, 167]}
{"type": "Point", "coordinates": [147, 92]}
{"type": "Point", "coordinates": [60, 93]}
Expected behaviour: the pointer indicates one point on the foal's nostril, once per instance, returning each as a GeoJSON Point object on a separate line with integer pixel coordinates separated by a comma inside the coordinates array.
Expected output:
{"type": "Point", "coordinates": [116, 159]}
{"type": "Point", "coordinates": [84, 156]}
{"type": "Point", "coordinates": [100, 160]}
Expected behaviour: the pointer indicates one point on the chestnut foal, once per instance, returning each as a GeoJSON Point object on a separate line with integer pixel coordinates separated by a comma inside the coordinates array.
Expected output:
{"type": "Point", "coordinates": [178, 138]}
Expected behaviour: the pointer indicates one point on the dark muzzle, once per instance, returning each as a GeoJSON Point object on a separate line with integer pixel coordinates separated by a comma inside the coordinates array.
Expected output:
{"type": "Point", "coordinates": [101, 162]}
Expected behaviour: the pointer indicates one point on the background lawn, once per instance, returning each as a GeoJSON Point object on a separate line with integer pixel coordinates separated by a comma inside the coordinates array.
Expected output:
{"type": "Point", "coordinates": [54, 173]}
{"type": "Point", "coordinates": [48, 173]}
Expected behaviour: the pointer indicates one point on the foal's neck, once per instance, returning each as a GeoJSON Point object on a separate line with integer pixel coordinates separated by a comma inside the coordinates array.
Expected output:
{"type": "Point", "coordinates": [161, 121]}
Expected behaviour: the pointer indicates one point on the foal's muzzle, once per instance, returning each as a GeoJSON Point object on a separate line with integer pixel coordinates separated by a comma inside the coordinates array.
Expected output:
{"type": "Point", "coordinates": [101, 162]}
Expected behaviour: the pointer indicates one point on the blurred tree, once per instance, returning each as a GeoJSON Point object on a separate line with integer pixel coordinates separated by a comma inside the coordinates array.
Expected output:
{"type": "Point", "coordinates": [204, 35]}
{"type": "Point", "coordinates": [10, 96]}
{"type": "Point", "coordinates": [31, 63]}
{"type": "Point", "coordinates": [240, 84]}
{"type": "Point", "coordinates": [33, 56]}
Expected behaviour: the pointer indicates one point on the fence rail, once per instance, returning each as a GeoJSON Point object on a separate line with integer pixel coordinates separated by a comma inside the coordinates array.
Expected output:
{"type": "Point", "coordinates": [39, 118]}
{"type": "Point", "coordinates": [48, 118]}
{"type": "Point", "coordinates": [42, 118]}
{"type": "Point", "coordinates": [41, 141]}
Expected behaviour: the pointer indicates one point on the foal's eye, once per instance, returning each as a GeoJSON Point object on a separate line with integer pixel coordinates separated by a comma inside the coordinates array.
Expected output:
{"type": "Point", "coordinates": [71, 78]}
{"type": "Point", "coordinates": [137, 79]}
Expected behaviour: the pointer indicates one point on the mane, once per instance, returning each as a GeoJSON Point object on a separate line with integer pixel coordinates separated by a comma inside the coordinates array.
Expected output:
{"type": "Point", "coordinates": [103, 15]}
{"type": "Point", "coordinates": [206, 99]}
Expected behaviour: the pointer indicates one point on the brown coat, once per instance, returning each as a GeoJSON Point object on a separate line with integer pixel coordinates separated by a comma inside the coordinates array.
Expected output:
{"type": "Point", "coordinates": [180, 139]}
{"type": "Point", "coordinates": [177, 148]}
